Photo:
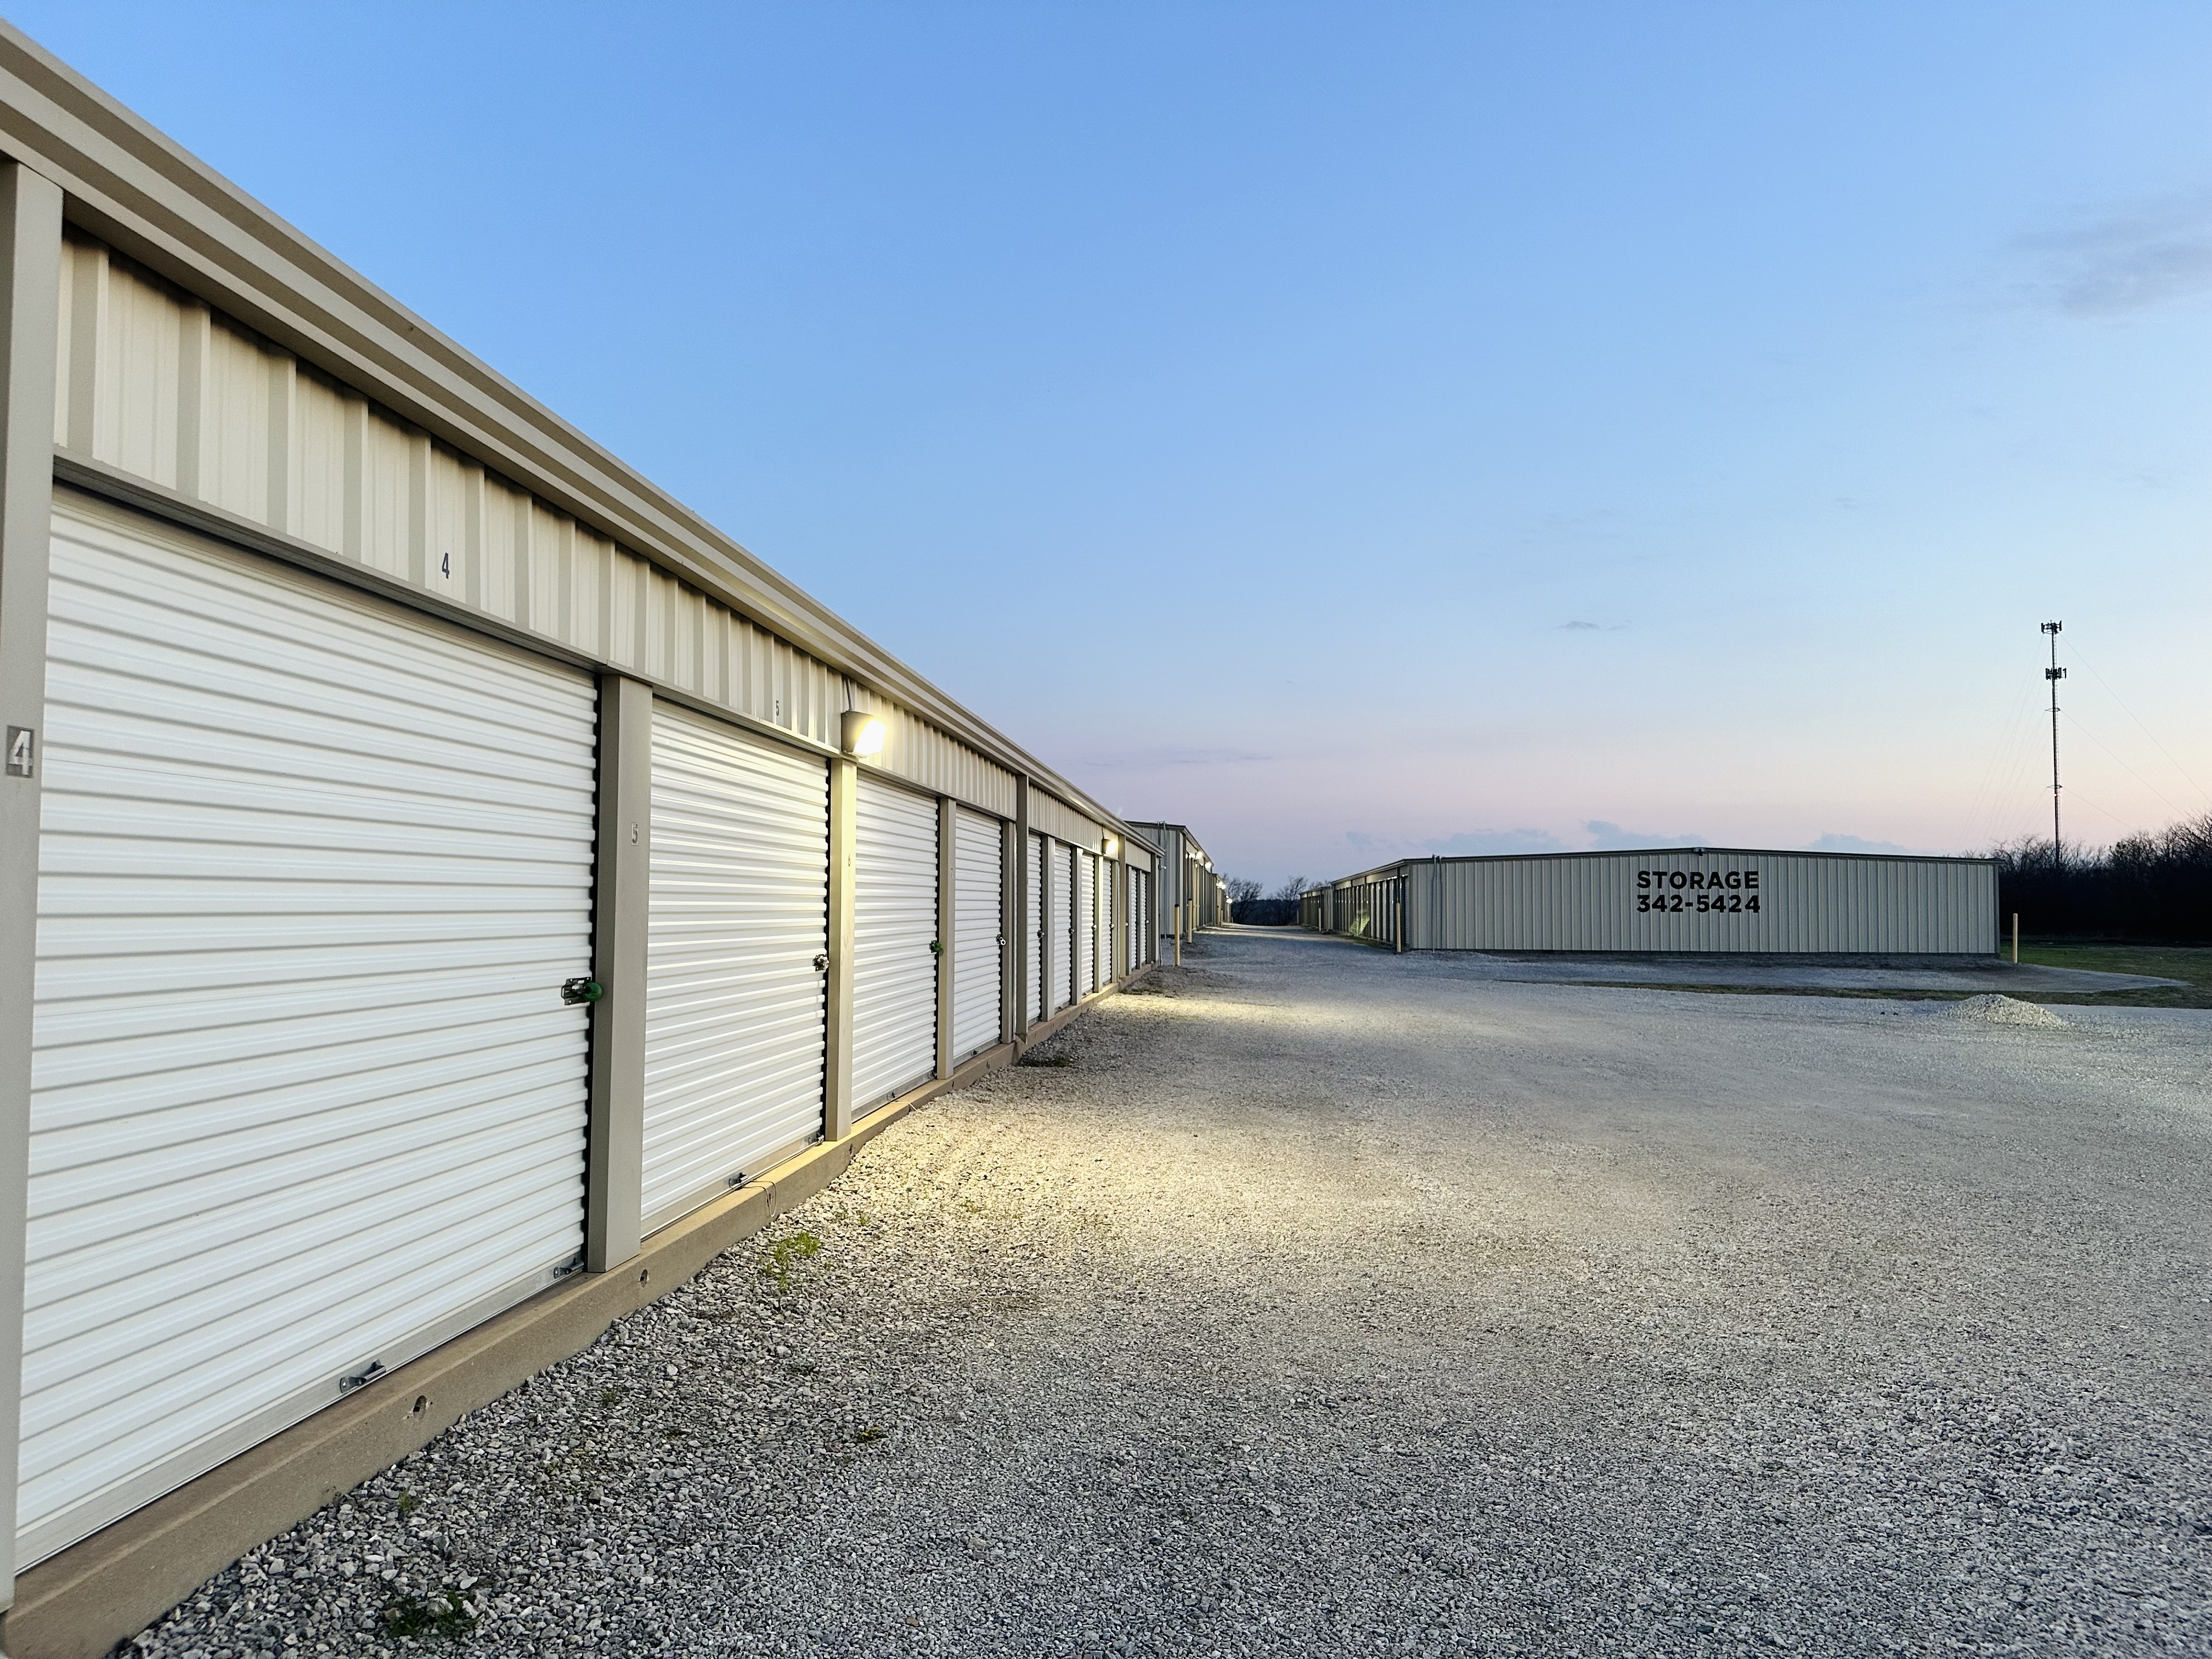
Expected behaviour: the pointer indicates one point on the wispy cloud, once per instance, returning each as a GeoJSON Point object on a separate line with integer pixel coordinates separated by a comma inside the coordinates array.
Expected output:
{"type": "Point", "coordinates": [1835, 843]}
{"type": "Point", "coordinates": [2126, 262]}
{"type": "Point", "coordinates": [1612, 838]}
{"type": "Point", "coordinates": [1470, 843]}
{"type": "Point", "coordinates": [1156, 759]}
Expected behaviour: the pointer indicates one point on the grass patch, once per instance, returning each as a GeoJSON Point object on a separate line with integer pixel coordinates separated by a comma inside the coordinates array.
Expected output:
{"type": "Point", "coordinates": [786, 1253]}
{"type": "Point", "coordinates": [2189, 962]}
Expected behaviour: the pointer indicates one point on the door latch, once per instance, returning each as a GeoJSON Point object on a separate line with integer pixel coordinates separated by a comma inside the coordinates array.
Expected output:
{"type": "Point", "coordinates": [821, 964]}
{"type": "Point", "coordinates": [574, 991]}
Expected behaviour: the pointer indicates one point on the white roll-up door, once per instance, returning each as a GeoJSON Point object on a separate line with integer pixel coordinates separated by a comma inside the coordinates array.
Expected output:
{"type": "Point", "coordinates": [1110, 929]}
{"type": "Point", "coordinates": [1059, 943]}
{"type": "Point", "coordinates": [306, 1099]}
{"type": "Point", "coordinates": [978, 931]}
{"type": "Point", "coordinates": [1086, 922]}
{"type": "Point", "coordinates": [894, 925]}
{"type": "Point", "coordinates": [1033, 946]}
{"type": "Point", "coordinates": [740, 926]}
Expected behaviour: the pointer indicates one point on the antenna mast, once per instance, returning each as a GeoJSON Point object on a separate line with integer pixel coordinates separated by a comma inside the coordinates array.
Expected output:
{"type": "Point", "coordinates": [2054, 674]}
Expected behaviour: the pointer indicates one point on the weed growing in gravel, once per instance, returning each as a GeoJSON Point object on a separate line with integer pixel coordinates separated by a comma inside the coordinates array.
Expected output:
{"type": "Point", "coordinates": [867, 1435]}
{"type": "Point", "coordinates": [448, 1613]}
{"type": "Point", "coordinates": [785, 1252]}
{"type": "Point", "coordinates": [613, 1394]}
{"type": "Point", "coordinates": [409, 1503]}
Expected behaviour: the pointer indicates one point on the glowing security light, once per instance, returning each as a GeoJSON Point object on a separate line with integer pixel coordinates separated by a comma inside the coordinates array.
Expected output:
{"type": "Point", "coordinates": [1113, 847]}
{"type": "Point", "coordinates": [860, 734]}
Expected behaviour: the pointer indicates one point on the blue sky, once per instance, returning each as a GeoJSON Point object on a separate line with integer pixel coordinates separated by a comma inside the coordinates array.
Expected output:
{"type": "Point", "coordinates": [1361, 430]}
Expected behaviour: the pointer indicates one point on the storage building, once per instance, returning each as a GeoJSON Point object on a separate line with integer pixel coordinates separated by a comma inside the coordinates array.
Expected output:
{"type": "Point", "coordinates": [1193, 894]}
{"type": "Point", "coordinates": [1673, 900]}
{"type": "Point", "coordinates": [439, 869]}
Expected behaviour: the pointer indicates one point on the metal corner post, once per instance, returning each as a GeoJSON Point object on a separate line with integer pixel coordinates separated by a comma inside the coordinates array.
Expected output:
{"type": "Point", "coordinates": [837, 1055]}
{"type": "Point", "coordinates": [1014, 918]}
{"type": "Point", "coordinates": [613, 1189]}
{"type": "Point", "coordinates": [30, 308]}
{"type": "Point", "coordinates": [948, 925]}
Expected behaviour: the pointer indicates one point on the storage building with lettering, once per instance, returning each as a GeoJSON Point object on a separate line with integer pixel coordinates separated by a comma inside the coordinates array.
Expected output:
{"type": "Point", "coordinates": [1673, 900]}
{"type": "Point", "coordinates": [451, 890]}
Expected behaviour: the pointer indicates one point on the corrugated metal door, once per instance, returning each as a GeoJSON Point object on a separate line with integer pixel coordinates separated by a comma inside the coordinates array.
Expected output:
{"type": "Point", "coordinates": [1110, 929]}
{"type": "Point", "coordinates": [740, 920]}
{"type": "Point", "coordinates": [1033, 946]}
{"type": "Point", "coordinates": [1086, 923]}
{"type": "Point", "coordinates": [306, 1099]}
{"type": "Point", "coordinates": [978, 933]}
{"type": "Point", "coordinates": [894, 927]}
{"type": "Point", "coordinates": [1060, 958]}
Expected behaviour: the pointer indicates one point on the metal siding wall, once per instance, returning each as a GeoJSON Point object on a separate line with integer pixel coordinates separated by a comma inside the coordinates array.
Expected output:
{"type": "Point", "coordinates": [1051, 816]}
{"type": "Point", "coordinates": [149, 382]}
{"type": "Point", "coordinates": [894, 925]}
{"type": "Point", "coordinates": [1807, 904]}
{"type": "Point", "coordinates": [978, 929]}
{"type": "Point", "coordinates": [734, 1040]}
{"type": "Point", "coordinates": [306, 1096]}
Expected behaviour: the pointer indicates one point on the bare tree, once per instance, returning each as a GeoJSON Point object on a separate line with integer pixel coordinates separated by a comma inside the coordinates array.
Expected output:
{"type": "Point", "coordinates": [1241, 888]}
{"type": "Point", "coordinates": [1293, 888]}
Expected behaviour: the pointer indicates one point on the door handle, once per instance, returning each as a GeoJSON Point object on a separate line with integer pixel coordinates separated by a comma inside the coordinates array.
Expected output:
{"type": "Point", "coordinates": [821, 964]}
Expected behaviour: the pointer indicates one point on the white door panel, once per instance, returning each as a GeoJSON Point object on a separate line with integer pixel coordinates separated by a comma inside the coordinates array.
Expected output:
{"type": "Point", "coordinates": [734, 1040]}
{"type": "Point", "coordinates": [978, 931]}
{"type": "Point", "coordinates": [894, 925]}
{"type": "Point", "coordinates": [306, 1096]}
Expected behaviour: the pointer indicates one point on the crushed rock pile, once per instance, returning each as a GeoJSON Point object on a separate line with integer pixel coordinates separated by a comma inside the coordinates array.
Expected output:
{"type": "Point", "coordinates": [1994, 1010]}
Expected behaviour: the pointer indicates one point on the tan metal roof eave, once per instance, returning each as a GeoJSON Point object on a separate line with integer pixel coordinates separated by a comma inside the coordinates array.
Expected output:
{"type": "Point", "coordinates": [134, 188]}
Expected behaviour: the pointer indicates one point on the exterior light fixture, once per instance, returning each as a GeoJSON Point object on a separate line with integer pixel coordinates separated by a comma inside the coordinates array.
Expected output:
{"type": "Point", "coordinates": [860, 734]}
{"type": "Point", "coordinates": [1113, 847]}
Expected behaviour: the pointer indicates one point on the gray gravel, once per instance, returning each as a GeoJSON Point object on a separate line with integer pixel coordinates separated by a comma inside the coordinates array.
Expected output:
{"type": "Point", "coordinates": [1331, 1302]}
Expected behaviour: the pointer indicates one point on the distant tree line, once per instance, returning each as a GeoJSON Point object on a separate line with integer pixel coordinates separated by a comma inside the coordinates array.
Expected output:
{"type": "Point", "coordinates": [2154, 886]}
{"type": "Point", "coordinates": [1249, 902]}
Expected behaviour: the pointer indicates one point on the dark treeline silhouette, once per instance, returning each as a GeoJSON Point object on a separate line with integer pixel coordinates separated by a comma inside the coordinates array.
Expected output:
{"type": "Point", "coordinates": [1278, 909]}
{"type": "Point", "coordinates": [2145, 887]}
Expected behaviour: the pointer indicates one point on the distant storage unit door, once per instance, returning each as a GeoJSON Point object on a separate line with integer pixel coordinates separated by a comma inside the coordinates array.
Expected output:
{"type": "Point", "coordinates": [1110, 932]}
{"type": "Point", "coordinates": [306, 1098]}
{"type": "Point", "coordinates": [737, 944]}
{"type": "Point", "coordinates": [894, 927]}
{"type": "Point", "coordinates": [1086, 919]}
{"type": "Point", "coordinates": [1058, 945]}
{"type": "Point", "coordinates": [978, 933]}
{"type": "Point", "coordinates": [1033, 946]}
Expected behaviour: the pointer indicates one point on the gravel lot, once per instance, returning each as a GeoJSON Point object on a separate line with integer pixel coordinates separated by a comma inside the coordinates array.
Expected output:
{"type": "Point", "coordinates": [1331, 1302]}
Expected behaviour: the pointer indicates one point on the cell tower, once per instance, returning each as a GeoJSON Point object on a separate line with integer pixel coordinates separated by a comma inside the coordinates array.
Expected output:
{"type": "Point", "coordinates": [2054, 674]}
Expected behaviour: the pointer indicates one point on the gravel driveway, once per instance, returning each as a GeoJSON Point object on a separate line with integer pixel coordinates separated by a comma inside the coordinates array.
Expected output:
{"type": "Point", "coordinates": [1327, 1301]}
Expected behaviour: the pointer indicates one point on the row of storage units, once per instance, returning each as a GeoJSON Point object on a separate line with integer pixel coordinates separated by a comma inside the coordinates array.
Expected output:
{"type": "Point", "coordinates": [1694, 900]}
{"type": "Point", "coordinates": [1193, 893]}
{"type": "Point", "coordinates": [433, 859]}
{"type": "Point", "coordinates": [1369, 907]}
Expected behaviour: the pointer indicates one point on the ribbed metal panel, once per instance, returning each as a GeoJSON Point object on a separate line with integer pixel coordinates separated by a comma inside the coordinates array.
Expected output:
{"type": "Point", "coordinates": [1033, 946]}
{"type": "Point", "coordinates": [739, 885]}
{"type": "Point", "coordinates": [1729, 900]}
{"type": "Point", "coordinates": [306, 1096]}
{"type": "Point", "coordinates": [1086, 923]}
{"type": "Point", "coordinates": [894, 925]}
{"type": "Point", "coordinates": [152, 383]}
{"type": "Point", "coordinates": [1050, 816]}
{"type": "Point", "coordinates": [1060, 941]}
{"type": "Point", "coordinates": [977, 932]}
